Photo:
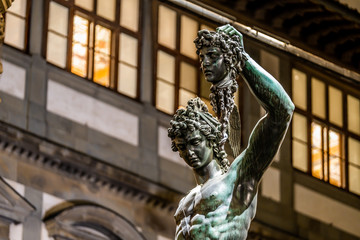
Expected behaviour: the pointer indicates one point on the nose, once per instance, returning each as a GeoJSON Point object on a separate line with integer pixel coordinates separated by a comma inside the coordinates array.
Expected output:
{"type": "Point", "coordinates": [206, 61]}
{"type": "Point", "coordinates": [190, 152]}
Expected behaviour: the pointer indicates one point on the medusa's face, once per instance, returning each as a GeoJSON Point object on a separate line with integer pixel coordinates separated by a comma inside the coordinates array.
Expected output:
{"type": "Point", "coordinates": [195, 149]}
{"type": "Point", "coordinates": [213, 64]}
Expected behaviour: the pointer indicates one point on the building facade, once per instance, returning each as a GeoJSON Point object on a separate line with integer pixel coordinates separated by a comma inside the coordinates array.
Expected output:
{"type": "Point", "coordinates": [89, 88]}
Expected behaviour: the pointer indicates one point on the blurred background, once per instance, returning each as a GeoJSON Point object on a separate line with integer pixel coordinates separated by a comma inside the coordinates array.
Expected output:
{"type": "Point", "coordinates": [89, 88]}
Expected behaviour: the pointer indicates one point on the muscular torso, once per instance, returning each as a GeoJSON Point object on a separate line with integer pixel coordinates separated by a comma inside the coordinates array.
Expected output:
{"type": "Point", "coordinates": [225, 205]}
{"type": "Point", "coordinates": [210, 211]}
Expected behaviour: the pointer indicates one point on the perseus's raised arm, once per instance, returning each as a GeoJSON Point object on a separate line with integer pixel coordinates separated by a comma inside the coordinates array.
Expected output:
{"type": "Point", "coordinates": [269, 132]}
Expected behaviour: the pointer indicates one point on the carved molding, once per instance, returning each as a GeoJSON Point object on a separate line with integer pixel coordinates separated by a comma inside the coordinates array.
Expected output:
{"type": "Point", "coordinates": [64, 161]}
{"type": "Point", "coordinates": [83, 222]}
{"type": "Point", "coordinates": [13, 207]}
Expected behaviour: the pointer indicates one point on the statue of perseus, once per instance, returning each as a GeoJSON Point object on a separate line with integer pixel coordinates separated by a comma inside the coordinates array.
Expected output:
{"type": "Point", "coordinates": [223, 203]}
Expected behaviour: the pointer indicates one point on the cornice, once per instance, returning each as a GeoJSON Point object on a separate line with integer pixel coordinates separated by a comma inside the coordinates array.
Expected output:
{"type": "Point", "coordinates": [62, 160]}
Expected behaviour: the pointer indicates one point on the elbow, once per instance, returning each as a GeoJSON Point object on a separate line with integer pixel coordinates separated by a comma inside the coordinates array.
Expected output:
{"type": "Point", "coordinates": [290, 108]}
{"type": "Point", "coordinates": [287, 111]}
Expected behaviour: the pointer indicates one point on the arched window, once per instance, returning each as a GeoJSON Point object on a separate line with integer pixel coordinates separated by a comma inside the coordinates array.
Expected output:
{"type": "Point", "coordinates": [14, 208]}
{"type": "Point", "coordinates": [89, 222]}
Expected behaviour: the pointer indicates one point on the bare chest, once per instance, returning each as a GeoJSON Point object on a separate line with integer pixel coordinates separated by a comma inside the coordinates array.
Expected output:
{"type": "Point", "coordinates": [204, 200]}
{"type": "Point", "coordinates": [206, 213]}
{"type": "Point", "coordinates": [209, 219]}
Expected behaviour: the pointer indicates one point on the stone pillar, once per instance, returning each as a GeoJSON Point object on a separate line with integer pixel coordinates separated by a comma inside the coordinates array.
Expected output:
{"type": "Point", "coordinates": [32, 224]}
{"type": "Point", "coordinates": [146, 71]}
{"type": "Point", "coordinates": [37, 79]}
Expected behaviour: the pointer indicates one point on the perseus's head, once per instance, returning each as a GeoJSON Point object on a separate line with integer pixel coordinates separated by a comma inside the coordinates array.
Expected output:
{"type": "Point", "coordinates": [219, 54]}
{"type": "Point", "coordinates": [196, 134]}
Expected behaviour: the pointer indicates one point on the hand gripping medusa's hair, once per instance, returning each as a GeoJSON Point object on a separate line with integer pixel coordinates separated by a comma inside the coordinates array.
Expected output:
{"type": "Point", "coordinates": [196, 116]}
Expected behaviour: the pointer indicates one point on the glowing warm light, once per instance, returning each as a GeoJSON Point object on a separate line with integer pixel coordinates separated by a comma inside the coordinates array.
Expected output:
{"type": "Point", "coordinates": [102, 39]}
{"type": "Point", "coordinates": [316, 163]}
{"type": "Point", "coordinates": [102, 57]}
{"type": "Point", "coordinates": [102, 69]}
{"type": "Point", "coordinates": [335, 171]}
{"type": "Point", "coordinates": [81, 28]}
{"type": "Point", "coordinates": [319, 155]}
{"type": "Point", "coordinates": [79, 60]}
{"type": "Point", "coordinates": [80, 46]}
{"type": "Point", "coordinates": [335, 161]}
{"type": "Point", "coordinates": [316, 138]}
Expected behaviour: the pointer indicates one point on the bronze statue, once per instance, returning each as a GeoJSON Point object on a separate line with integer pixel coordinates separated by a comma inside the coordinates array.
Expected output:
{"type": "Point", "coordinates": [223, 203]}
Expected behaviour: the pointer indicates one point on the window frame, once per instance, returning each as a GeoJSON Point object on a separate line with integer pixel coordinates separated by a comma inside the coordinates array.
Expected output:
{"type": "Point", "coordinates": [347, 88]}
{"type": "Point", "coordinates": [27, 28]}
{"type": "Point", "coordinates": [176, 53]}
{"type": "Point", "coordinates": [115, 28]}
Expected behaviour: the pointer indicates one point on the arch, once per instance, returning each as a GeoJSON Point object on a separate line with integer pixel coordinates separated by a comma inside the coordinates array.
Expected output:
{"type": "Point", "coordinates": [90, 222]}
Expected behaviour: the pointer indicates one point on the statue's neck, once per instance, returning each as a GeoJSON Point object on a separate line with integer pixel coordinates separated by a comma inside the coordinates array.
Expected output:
{"type": "Point", "coordinates": [224, 83]}
{"type": "Point", "coordinates": [208, 172]}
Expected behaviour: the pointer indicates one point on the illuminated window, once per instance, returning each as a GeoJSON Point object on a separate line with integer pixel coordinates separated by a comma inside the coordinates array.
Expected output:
{"type": "Point", "coordinates": [354, 165]}
{"type": "Point", "coordinates": [178, 76]}
{"type": "Point", "coordinates": [331, 152]}
{"type": "Point", "coordinates": [318, 150]}
{"type": "Point", "coordinates": [17, 25]}
{"type": "Point", "coordinates": [106, 9]}
{"type": "Point", "coordinates": [318, 98]}
{"type": "Point", "coordinates": [327, 164]}
{"type": "Point", "coordinates": [86, 4]}
{"type": "Point", "coordinates": [353, 114]}
{"type": "Point", "coordinates": [300, 142]}
{"type": "Point", "coordinates": [57, 34]}
{"type": "Point", "coordinates": [96, 42]}
{"type": "Point", "coordinates": [335, 106]}
{"type": "Point", "coordinates": [299, 89]}
{"type": "Point", "coordinates": [102, 55]}
{"type": "Point", "coordinates": [188, 81]}
{"type": "Point", "coordinates": [128, 65]}
{"type": "Point", "coordinates": [80, 45]}
{"type": "Point", "coordinates": [336, 160]}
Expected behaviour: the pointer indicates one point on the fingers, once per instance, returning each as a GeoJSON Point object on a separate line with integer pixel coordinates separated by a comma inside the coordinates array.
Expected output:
{"type": "Point", "coordinates": [229, 30]}
{"type": "Point", "coordinates": [226, 28]}
{"type": "Point", "coordinates": [232, 32]}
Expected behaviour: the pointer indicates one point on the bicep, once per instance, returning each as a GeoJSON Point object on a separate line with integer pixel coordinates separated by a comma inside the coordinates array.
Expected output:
{"type": "Point", "coordinates": [263, 144]}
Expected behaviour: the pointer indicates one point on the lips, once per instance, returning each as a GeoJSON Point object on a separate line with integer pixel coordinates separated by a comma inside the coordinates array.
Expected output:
{"type": "Point", "coordinates": [194, 160]}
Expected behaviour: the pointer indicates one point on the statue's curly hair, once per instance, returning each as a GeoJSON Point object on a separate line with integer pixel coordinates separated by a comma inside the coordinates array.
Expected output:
{"type": "Point", "coordinates": [231, 47]}
{"type": "Point", "coordinates": [197, 116]}
{"type": "Point", "coordinates": [222, 97]}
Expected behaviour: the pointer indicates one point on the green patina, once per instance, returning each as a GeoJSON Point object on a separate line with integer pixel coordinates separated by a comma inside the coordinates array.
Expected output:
{"type": "Point", "coordinates": [223, 203]}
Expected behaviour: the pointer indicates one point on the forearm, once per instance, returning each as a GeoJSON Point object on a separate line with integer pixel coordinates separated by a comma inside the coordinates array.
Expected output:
{"type": "Point", "coordinates": [267, 90]}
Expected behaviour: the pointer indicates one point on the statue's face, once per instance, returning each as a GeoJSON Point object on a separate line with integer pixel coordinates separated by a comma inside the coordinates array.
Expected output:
{"type": "Point", "coordinates": [213, 64]}
{"type": "Point", "coordinates": [195, 149]}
